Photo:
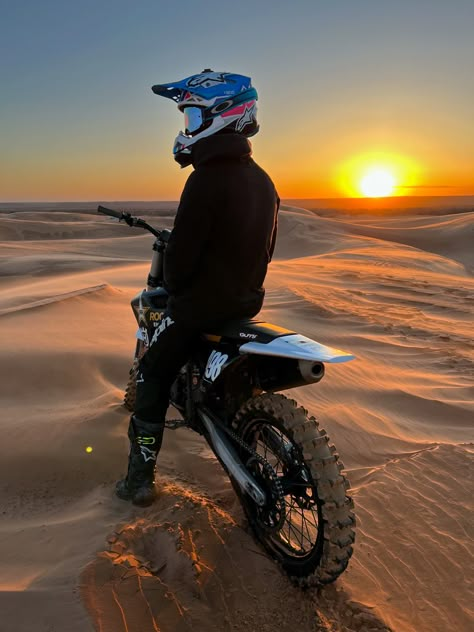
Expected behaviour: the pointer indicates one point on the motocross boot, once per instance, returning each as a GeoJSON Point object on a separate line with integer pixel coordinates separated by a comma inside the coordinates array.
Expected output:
{"type": "Point", "coordinates": [145, 443]}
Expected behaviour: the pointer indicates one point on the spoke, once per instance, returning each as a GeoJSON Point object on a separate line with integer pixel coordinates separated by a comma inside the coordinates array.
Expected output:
{"type": "Point", "coordinates": [313, 524]}
{"type": "Point", "coordinates": [311, 541]}
{"type": "Point", "coordinates": [288, 535]}
{"type": "Point", "coordinates": [262, 449]}
{"type": "Point", "coordinates": [256, 438]}
{"type": "Point", "coordinates": [265, 448]}
{"type": "Point", "coordinates": [302, 534]}
{"type": "Point", "coordinates": [283, 535]}
{"type": "Point", "coordinates": [299, 532]}
{"type": "Point", "coordinates": [306, 526]}
{"type": "Point", "coordinates": [275, 436]}
{"type": "Point", "coordinates": [302, 527]}
{"type": "Point", "coordinates": [289, 524]}
{"type": "Point", "coordinates": [306, 519]}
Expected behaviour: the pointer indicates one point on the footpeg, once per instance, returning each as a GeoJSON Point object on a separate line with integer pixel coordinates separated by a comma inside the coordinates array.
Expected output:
{"type": "Point", "coordinates": [174, 424]}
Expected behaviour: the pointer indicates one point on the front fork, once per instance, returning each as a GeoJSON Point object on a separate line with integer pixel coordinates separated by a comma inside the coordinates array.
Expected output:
{"type": "Point", "coordinates": [156, 275]}
{"type": "Point", "coordinates": [140, 350]}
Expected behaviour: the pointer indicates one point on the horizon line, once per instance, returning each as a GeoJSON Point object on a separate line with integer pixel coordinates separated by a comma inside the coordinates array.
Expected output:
{"type": "Point", "coordinates": [176, 200]}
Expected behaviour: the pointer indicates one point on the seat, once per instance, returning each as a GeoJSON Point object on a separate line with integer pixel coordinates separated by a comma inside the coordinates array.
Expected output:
{"type": "Point", "coordinates": [247, 330]}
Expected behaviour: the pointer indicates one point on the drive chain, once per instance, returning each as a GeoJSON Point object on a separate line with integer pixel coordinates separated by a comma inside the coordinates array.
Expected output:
{"type": "Point", "coordinates": [270, 474]}
{"type": "Point", "coordinates": [276, 486]}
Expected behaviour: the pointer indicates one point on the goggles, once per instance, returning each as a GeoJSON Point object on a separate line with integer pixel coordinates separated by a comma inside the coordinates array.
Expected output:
{"type": "Point", "coordinates": [193, 119]}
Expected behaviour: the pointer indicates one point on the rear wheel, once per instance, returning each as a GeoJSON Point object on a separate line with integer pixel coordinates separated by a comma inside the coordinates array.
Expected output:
{"type": "Point", "coordinates": [307, 524]}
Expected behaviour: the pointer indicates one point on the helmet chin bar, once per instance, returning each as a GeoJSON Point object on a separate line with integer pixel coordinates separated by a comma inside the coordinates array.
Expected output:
{"type": "Point", "coordinates": [183, 158]}
{"type": "Point", "coordinates": [184, 142]}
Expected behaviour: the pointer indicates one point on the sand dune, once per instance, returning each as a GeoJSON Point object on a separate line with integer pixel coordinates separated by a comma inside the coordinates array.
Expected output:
{"type": "Point", "coordinates": [396, 291]}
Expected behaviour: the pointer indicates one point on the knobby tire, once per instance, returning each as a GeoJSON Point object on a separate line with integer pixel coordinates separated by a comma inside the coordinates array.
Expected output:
{"type": "Point", "coordinates": [332, 550]}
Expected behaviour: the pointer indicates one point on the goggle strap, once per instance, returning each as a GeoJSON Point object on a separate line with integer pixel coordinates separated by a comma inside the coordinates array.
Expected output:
{"type": "Point", "coordinates": [248, 95]}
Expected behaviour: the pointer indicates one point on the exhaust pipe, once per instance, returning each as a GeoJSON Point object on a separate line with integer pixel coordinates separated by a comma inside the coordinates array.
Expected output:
{"type": "Point", "coordinates": [311, 371]}
{"type": "Point", "coordinates": [279, 374]}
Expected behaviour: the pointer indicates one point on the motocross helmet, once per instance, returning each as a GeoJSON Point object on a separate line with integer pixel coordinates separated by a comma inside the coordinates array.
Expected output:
{"type": "Point", "coordinates": [211, 102]}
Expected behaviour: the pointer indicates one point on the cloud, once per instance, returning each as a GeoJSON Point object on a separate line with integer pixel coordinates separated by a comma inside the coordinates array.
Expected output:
{"type": "Point", "coordinates": [427, 186]}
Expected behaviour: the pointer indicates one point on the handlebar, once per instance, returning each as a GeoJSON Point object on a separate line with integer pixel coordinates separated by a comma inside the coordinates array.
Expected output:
{"type": "Point", "coordinates": [109, 211]}
{"type": "Point", "coordinates": [133, 221]}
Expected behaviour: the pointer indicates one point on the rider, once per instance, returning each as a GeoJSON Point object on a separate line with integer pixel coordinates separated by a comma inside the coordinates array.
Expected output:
{"type": "Point", "coordinates": [216, 259]}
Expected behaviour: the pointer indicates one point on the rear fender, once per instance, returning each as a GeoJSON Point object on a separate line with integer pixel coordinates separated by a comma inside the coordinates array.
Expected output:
{"type": "Point", "coordinates": [297, 347]}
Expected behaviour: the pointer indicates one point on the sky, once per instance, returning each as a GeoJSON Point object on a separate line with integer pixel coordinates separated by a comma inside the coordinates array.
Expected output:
{"type": "Point", "coordinates": [344, 86]}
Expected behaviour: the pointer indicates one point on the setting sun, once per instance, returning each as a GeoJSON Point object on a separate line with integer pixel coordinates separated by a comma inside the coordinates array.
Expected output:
{"type": "Point", "coordinates": [377, 183]}
{"type": "Point", "coordinates": [376, 174]}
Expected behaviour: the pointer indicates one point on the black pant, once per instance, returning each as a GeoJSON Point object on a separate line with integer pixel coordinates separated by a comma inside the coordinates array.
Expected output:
{"type": "Point", "coordinates": [170, 348]}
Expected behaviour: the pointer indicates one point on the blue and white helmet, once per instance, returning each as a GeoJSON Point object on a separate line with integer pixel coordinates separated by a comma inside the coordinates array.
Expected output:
{"type": "Point", "coordinates": [211, 101]}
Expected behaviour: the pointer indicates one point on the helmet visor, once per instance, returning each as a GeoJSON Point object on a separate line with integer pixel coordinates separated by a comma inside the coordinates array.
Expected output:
{"type": "Point", "coordinates": [192, 119]}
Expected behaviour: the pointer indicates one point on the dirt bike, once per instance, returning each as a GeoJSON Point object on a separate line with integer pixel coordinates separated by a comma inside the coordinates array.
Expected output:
{"type": "Point", "coordinates": [283, 469]}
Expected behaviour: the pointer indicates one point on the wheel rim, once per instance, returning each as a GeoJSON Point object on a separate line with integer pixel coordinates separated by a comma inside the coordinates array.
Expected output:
{"type": "Point", "coordinates": [300, 531]}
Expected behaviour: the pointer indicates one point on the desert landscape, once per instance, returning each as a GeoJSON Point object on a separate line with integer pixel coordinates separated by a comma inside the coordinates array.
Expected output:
{"type": "Point", "coordinates": [393, 288]}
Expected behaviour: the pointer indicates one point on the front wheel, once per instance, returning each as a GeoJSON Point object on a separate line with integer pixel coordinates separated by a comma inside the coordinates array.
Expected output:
{"type": "Point", "coordinates": [131, 388]}
{"type": "Point", "coordinates": [307, 524]}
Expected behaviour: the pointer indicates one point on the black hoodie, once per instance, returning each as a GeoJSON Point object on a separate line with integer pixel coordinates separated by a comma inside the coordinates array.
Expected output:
{"type": "Point", "coordinates": [223, 237]}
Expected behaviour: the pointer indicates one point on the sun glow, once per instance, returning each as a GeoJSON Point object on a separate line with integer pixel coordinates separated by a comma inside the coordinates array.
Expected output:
{"type": "Point", "coordinates": [377, 183]}
{"type": "Point", "coordinates": [377, 174]}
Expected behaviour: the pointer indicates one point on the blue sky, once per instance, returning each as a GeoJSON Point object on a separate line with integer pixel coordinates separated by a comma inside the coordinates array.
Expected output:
{"type": "Point", "coordinates": [78, 119]}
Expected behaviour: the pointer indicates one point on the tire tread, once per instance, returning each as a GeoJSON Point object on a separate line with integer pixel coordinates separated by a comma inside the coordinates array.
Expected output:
{"type": "Point", "coordinates": [323, 462]}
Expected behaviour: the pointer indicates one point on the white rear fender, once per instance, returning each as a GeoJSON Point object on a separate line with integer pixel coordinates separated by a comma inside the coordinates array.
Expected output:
{"type": "Point", "coordinates": [298, 347]}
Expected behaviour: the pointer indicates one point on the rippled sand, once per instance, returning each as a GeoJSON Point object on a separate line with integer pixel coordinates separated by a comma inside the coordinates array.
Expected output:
{"type": "Point", "coordinates": [397, 291]}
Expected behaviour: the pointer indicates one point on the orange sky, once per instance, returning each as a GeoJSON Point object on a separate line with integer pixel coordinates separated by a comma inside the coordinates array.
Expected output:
{"type": "Point", "coordinates": [154, 177]}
